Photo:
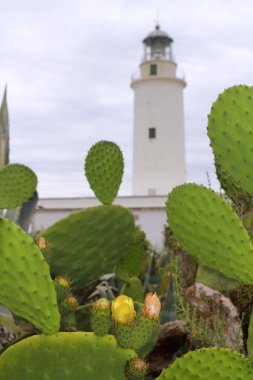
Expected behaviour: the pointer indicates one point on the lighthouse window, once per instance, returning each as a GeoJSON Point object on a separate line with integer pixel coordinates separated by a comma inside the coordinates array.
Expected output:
{"type": "Point", "coordinates": [153, 69]}
{"type": "Point", "coordinates": [152, 133]}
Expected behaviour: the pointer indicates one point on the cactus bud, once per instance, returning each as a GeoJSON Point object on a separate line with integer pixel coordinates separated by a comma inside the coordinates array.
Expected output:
{"type": "Point", "coordinates": [101, 316]}
{"type": "Point", "coordinates": [152, 306]}
{"type": "Point", "coordinates": [71, 302]}
{"type": "Point", "coordinates": [42, 242]}
{"type": "Point", "coordinates": [62, 287]}
{"type": "Point", "coordinates": [45, 248]}
{"type": "Point", "coordinates": [63, 281]}
{"type": "Point", "coordinates": [136, 369]}
{"type": "Point", "coordinates": [102, 304]}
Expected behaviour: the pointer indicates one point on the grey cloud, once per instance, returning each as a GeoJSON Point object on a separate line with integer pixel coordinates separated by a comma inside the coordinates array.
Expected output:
{"type": "Point", "coordinates": [68, 66]}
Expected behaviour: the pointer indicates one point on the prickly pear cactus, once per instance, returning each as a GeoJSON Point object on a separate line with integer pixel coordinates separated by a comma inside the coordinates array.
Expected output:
{"type": "Point", "coordinates": [215, 279]}
{"type": "Point", "coordinates": [136, 369]}
{"type": "Point", "coordinates": [210, 230]}
{"type": "Point", "coordinates": [130, 265]}
{"type": "Point", "coordinates": [133, 288]}
{"type": "Point", "coordinates": [250, 339]}
{"type": "Point", "coordinates": [17, 185]}
{"type": "Point", "coordinates": [241, 198]}
{"type": "Point", "coordinates": [26, 287]}
{"type": "Point", "coordinates": [85, 244]}
{"type": "Point", "coordinates": [231, 134]}
{"type": "Point", "coordinates": [209, 363]}
{"type": "Point", "coordinates": [101, 317]}
{"type": "Point", "coordinates": [104, 169]}
{"type": "Point", "coordinates": [65, 356]}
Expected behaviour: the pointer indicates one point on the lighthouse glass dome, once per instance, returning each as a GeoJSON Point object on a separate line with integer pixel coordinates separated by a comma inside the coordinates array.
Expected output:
{"type": "Point", "coordinates": [157, 46]}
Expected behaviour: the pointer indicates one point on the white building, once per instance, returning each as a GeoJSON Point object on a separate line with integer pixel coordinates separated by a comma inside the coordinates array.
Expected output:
{"type": "Point", "coordinates": [159, 152]}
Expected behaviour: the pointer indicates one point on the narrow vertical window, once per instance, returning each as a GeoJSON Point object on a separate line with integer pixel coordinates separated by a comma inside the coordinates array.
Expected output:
{"type": "Point", "coordinates": [151, 191]}
{"type": "Point", "coordinates": [153, 69]}
{"type": "Point", "coordinates": [152, 133]}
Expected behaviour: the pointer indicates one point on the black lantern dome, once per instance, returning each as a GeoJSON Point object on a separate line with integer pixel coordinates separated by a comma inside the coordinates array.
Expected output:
{"type": "Point", "coordinates": [157, 45]}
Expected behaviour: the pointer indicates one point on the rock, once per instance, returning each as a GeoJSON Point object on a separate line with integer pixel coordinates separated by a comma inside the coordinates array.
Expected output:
{"type": "Point", "coordinates": [6, 337]}
{"type": "Point", "coordinates": [222, 316]}
{"type": "Point", "coordinates": [172, 337]}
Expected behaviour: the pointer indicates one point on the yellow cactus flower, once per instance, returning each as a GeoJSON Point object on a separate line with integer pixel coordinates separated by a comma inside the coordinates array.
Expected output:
{"type": "Point", "coordinates": [152, 306]}
{"type": "Point", "coordinates": [123, 309]}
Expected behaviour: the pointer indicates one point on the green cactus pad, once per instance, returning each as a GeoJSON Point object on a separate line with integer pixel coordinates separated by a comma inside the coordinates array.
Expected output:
{"type": "Point", "coordinates": [87, 243]}
{"type": "Point", "coordinates": [65, 356]}
{"type": "Point", "coordinates": [139, 236]}
{"type": "Point", "coordinates": [241, 198]}
{"type": "Point", "coordinates": [17, 185]}
{"type": "Point", "coordinates": [146, 330]}
{"type": "Point", "coordinates": [140, 334]}
{"type": "Point", "coordinates": [104, 168]}
{"type": "Point", "coordinates": [230, 128]}
{"type": "Point", "coordinates": [133, 288]}
{"type": "Point", "coordinates": [130, 265]}
{"type": "Point", "coordinates": [215, 279]}
{"type": "Point", "coordinates": [101, 322]}
{"type": "Point", "coordinates": [210, 230]}
{"type": "Point", "coordinates": [26, 287]}
{"type": "Point", "coordinates": [209, 363]}
{"type": "Point", "coordinates": [124, 333]}
{"type": "Point", "coordinates": [250, 339]}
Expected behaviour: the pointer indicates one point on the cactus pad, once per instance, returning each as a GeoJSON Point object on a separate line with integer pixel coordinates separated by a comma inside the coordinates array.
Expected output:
{"type": "Point", "coordinates": [233, 190]}
{"type": "Point", "coordinates": [26, 287]}
{"type": "Point", "coordinates": [250, 339]}
{"type": "Point", "coordinates": [210, 230]}
{"type": "Point", "coordinates": [17, 185]}
{"type": "Point", "coordinates": [230, 128]}
{"type": "Point", "coordinates": [209, 363]}
{"type": "Point", "coordinates": [85, 244]}
{"type": "Point", "coordinates": [65, 356]}
{"type": "Point", "coordinates": [104, 169]}
{"type": "Point", "coordinates": [131, 263]}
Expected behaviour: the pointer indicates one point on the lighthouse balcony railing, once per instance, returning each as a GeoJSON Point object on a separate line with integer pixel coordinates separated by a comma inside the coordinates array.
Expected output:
{"type": "Point", "coordinates": [136, 75]}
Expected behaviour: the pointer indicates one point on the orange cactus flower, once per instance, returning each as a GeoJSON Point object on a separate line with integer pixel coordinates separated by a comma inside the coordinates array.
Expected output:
{"type": "Point", "coordinates": [152, 306]}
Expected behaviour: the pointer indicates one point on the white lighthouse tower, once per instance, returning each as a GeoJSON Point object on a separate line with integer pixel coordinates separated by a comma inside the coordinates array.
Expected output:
{"type": "Point", "coordinates": [158, 150]}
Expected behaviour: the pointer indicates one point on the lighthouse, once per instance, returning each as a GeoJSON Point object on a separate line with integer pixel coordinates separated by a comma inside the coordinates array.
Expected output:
{"type": "Point", "coordinates": [158, 142]}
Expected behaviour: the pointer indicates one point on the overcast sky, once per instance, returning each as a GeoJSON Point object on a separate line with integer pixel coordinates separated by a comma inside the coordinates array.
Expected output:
{"type": "Point", "coordinates": [68, 66]}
